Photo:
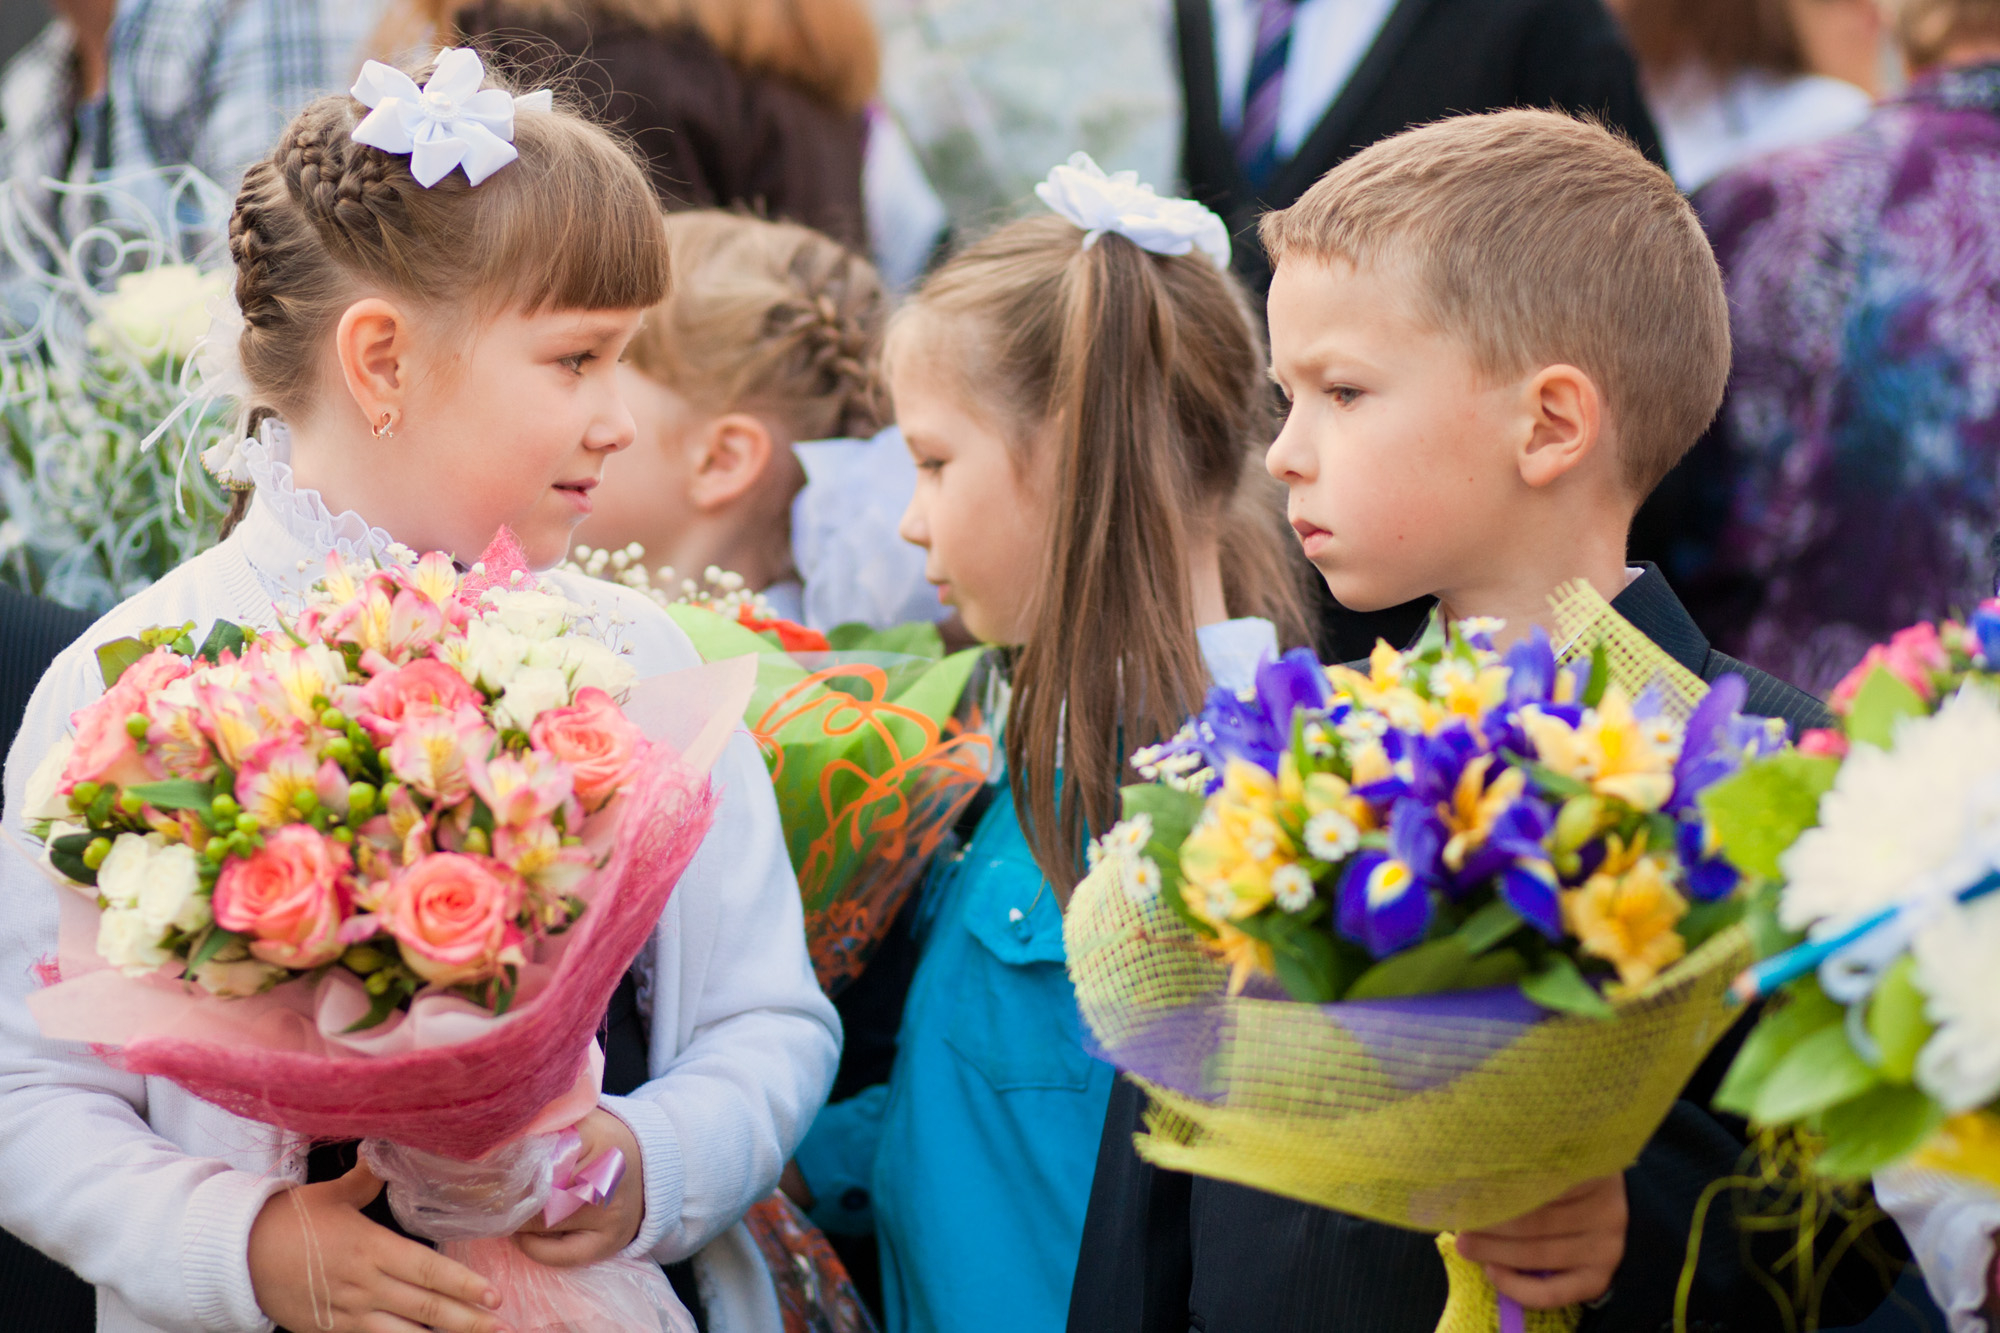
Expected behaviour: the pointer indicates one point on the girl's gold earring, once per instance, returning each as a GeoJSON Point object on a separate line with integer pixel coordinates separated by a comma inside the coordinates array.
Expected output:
{"type": "Point", "coordinates": [388, 427]}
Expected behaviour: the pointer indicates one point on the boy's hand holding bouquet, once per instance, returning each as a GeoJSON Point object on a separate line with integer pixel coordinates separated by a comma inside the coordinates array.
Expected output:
{"type": "Point", "coordinates": [374, 875]}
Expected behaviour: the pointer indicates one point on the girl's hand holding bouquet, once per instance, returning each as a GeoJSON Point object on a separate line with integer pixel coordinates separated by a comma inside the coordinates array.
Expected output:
{"type": "Point", "coordinates": [374, 875]}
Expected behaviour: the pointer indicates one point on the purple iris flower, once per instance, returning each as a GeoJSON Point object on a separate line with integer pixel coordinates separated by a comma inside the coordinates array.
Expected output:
{"type": "Point", "coordinates": [1531, 667]}
{"type": "Point", "coordinates": [1517, 835]}
{"type": "Point", "coordinates": [1385, 897]}
{"type": "Point", "coordinates": [1706, 754]}
{"type": "Point", "coordinates": [1529, 887]}
{"type": "Point", "coordinates": [1709, 878]}
{"type": "Point", "coordinates": [1259, 730]}
{"type": "Point", "coordinates": [1985, 626]}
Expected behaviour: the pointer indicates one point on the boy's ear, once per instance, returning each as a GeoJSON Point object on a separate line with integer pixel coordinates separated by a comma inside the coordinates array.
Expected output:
{"type": "Point", "coordinates": [1566, 422]}
{"type": "Point", "coordinates": [373, 342]}
{"type": "Point", "coordinates": [733, 453]}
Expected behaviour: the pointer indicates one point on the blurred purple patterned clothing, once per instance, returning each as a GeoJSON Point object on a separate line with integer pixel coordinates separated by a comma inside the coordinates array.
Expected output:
{"type": "Point", "coordinates": [1854, 476]}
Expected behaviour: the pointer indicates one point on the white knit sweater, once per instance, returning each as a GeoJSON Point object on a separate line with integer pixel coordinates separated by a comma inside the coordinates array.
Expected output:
{"type": "Point", "coordinates": [150, 1194]}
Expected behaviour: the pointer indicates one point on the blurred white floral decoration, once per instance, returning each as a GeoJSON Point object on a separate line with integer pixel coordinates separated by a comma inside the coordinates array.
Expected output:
{"type": "Point", "coordinates": [101, 413]}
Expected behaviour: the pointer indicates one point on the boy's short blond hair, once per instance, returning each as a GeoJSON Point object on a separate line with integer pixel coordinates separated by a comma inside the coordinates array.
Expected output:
{"type": "Point", "coordinates": [1540, 239]}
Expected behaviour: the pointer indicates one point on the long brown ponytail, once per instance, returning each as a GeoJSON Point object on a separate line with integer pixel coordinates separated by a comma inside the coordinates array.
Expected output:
{"type": "Point", "coordinates": [1144, 376]}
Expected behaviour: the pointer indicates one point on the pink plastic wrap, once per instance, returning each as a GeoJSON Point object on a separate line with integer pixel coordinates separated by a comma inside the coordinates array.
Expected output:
{"type": "Point", "coordinates": [445, 1077]}
{"type": "Point", "coordinates": [471, 1209]}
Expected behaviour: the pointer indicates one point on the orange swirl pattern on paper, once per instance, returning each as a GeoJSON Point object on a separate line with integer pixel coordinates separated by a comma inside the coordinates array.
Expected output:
{"type": "Point", "coordinates": [883, 819]}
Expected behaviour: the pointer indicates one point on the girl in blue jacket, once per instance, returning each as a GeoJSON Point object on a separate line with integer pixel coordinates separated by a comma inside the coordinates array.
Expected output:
{"type": "Point", "coordinates": [1085, 398]}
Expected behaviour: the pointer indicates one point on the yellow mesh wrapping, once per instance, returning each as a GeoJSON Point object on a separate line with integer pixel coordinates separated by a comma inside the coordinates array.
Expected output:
{"type": "Point", "coordinates": [1457, 1123]}
{"type": "Point", "coordinates": [1472, 1306]}
{"type": "Point", "coordinates": [1583, 619]}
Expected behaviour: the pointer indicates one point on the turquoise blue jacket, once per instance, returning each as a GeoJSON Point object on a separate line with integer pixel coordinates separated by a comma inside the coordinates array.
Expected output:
{"type": "Point", "coordinates": [973, 1163]}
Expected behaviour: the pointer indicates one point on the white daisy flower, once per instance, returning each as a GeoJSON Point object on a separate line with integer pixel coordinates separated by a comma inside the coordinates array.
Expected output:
{"type": "Point", "coordinates": [1292, 887]}
{"type": "Point", "coordinates": [1330, 835]}
{"type": "Point", "coordinates": [1142, 879]}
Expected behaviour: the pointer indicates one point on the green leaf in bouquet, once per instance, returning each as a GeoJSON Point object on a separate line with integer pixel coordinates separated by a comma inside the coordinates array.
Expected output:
{"type": "Point", "coordinates": [66, 855]}
{"type": "Point", "coordinates": [1768, 935]}
{"type": "Point", "coordinates": [1600, 675]}
{"type": "Point", "coordinates": [176, 794]}
{"type": "Point", "coordinates": [1803, 1011]}
{"type": "Point", "coordinates": [1558, 985]}
{"type": "Point", "coordinates": [117, 657]}
{"type": "Point", "coordinates": [1882, 701]}
{"type": "Point", "coordinates": [1822, 1071]}
{"type": "Point", "coordinates": [1896, 1020]}
{"type": "Point", "coordinates": [1704, 921]}
{"type": "Point", "coordinates": [223, 637]}
{"type": "Point", "coordinates": [1173, 813]}
{"type": "Point", "coordinates": [1876, 1129]}
{"type": "Point", "coordinates": [1488, 926]}
{"type": "Point", "coordinates": [1758, 812]}
{"type": "Point", "coordinates": [213, 941]}
{"type": "Point", "coordinates": [1434, 967]}
{"type": "Point", "coordinates": [1310, 966]}
{"type": "Point", "coordinates": [918, 638]}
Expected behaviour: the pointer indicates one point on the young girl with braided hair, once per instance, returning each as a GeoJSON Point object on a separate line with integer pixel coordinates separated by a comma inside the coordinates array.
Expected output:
{"type": "Point", "coordinates": [761, 448]}
{"type": "Point", "coordinates": [430, 341]}
{"type": "Point", "coordinates": [1085, 399]}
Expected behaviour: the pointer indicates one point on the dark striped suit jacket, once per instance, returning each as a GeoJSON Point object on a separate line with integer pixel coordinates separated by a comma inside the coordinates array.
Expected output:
{"type": "Point", "coordinates": [1165, 1252]}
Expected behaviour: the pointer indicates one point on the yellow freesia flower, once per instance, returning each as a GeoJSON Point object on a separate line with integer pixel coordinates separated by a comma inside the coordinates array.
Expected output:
{"type": "Point", "coordinates": [1474, 806]}
{"type": "Point", "coordinates": [1610, 750]}
{"type": "Point", "coordinates": [1627, 912]}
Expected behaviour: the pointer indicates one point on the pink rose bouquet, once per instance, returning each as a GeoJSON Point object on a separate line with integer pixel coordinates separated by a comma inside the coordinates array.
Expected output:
{"type": "Point", "coordinates": [374, 874]}
{"type": "Point", "coordinates": [400, 784]}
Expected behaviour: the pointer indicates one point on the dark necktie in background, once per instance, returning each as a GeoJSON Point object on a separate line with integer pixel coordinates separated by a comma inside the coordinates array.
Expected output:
{"type": "Point", "coordinates": [1257, 139]}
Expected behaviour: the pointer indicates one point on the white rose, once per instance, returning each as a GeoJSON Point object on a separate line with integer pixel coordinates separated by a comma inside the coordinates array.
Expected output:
{"type": "Point", "coordinates": [245, 976]}
{"type": "Point", "coordinates": [39, 800]}
{"type": "Point", "coordinates": [537, 615]}
{"type": "Point", "coordinates": [171, 897]}
{"type": "Point", "coordinates": [126, 942]}
{"type": "Point", "coordinates": [593, 664]}
{"type": "Point", "coordinates": [122, 875]}
{"type": "Point", "coordinates": [532, 692]}
{"type": "Point", "coordinates": [493, 653]}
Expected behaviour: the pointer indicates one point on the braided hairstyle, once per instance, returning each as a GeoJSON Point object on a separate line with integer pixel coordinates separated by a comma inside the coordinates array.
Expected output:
{"type": "Point", "coordinates": [570, 225]}
{"type": "Point", "coordinates": [772, 318]}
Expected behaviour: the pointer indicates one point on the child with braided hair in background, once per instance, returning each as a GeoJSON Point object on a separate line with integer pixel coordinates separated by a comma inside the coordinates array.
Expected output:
{"type": "Point", "coordinates": [762, 447]}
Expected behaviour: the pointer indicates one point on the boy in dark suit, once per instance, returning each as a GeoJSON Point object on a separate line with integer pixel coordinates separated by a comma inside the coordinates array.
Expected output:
{"type": "Point", "coordinates": [1497, 333]}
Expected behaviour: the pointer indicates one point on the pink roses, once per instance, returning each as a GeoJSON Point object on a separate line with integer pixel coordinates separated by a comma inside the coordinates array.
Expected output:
{"type": "Point", "coordinates": [105, 751]}
{"type": "Point", "coordinates": [425, 685]}
{"type": "Point", "coordinates": [596, 740]}
{"type": "Point", "coordinates": [290, 896]}
{"type": "Point", "coordinates": [453, 916]}
{"type": "Point", "coordinates": [1911, 655]}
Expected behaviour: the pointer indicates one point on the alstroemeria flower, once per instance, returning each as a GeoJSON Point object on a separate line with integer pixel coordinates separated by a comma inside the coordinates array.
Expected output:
{"type": "Point", "coordinates": [520, 789]}
{"type": "Point", "coordinates": [1626, 913]}
{"type": "Point", "coordinates": [431, 750]}
{"type": "Point", "coordinates": [450, 122]}
{"type": "Point", "coordinates": [272, 779]}
{"type": "Point", "coordinates": [1385, 901]}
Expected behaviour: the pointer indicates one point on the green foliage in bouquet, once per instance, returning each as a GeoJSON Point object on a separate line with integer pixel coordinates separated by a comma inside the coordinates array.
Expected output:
{"type": "Point", "coordinates": [1872, 852]}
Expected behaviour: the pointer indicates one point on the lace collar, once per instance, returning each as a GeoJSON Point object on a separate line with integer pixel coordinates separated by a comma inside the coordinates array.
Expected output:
{"type": "Point", "coordinates": [298, 521]}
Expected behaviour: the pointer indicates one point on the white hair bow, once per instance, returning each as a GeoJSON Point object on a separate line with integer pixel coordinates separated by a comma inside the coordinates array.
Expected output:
{"type": "Point", "coordinates": [1080, 191]}
{"type": "Point", "coordinates": [451, 122]}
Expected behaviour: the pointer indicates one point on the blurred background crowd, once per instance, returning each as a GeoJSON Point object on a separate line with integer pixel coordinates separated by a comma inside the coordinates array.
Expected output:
{"type": "Point", "coordinates": [1844, 154]}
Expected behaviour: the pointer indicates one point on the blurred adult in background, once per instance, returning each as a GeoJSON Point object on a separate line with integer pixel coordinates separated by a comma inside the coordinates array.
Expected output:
{"type": "Point", "coordinates": [116, 87]}
{"type": "Point", "coordinates": [1281, 91]}
{"type": "Point", "coordinates": [757, 104]}
{"type": "Point", "coordinates": [1729, 80]}
{"type": "Point", "coordinates": [1851, 484]}
{"type": "Point", "coordinates": [995, 92]}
